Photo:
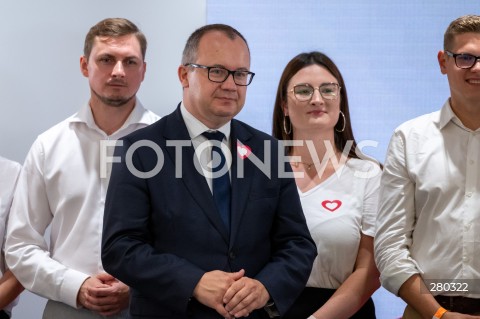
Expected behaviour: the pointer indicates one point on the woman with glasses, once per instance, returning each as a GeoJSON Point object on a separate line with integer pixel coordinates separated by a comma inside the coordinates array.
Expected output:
{"type": "Point", "coordinates": [338, 188]}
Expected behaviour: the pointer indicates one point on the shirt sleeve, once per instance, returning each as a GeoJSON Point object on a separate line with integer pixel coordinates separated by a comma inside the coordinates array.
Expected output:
{"type": "Point", "coordinates": [9, 172]}
{"type": "Point", "coordinates": [27, 251]}
{"type": "Point", "coordinates": [396, 218]}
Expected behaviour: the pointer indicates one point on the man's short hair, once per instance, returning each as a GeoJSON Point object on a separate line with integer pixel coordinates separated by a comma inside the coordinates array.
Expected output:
{"type": "Point", "coordinates": [464, 24]}
{"type": "Point", "coordinates": [191, 47]}
{"type": "Point", "coordinates": [114, 28]}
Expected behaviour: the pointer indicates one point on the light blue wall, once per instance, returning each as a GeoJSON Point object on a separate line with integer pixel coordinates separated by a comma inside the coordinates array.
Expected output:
{"type": "Point", "coordinates": [386, 52]}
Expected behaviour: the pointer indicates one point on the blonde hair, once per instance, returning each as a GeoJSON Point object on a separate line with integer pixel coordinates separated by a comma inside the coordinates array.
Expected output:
{"type": "Point", "coordinates": [464, 24]}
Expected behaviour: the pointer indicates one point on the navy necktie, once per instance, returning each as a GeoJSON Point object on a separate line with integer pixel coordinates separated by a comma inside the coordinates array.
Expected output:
{"type": "Point", "coordinates": [220, 184]}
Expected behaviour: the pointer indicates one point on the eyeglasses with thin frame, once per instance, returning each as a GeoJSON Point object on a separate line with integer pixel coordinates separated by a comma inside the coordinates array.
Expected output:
{"type": "Point", "coordinates": [304, 91]}
{"type": "Point", "coordinates": [463, 60]}
{"type": "Point", "coordinates": [219, 74]}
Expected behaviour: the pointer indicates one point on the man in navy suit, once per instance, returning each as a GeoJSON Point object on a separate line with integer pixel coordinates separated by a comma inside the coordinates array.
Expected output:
{"type": "Point", "coordinates": [184, 252]}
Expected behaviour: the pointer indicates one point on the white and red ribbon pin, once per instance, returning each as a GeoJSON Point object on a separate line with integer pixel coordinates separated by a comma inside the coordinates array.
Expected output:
{"type": "Point", "coordinates": [243, 150]}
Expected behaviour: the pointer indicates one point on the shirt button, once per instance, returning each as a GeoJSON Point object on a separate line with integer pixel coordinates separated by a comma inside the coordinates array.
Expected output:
{"type": "Point", "coordinates": [232, 255]}
{"type": "Point", "coordinates": [467, 226]}
{"type": "Point", "coordinates": [465, 259]}
{"type": "Point", "coordinates": [469, 194]}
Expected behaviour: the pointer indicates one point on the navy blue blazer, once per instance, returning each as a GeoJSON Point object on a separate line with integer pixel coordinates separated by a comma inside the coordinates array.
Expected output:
{"type": "Point", "coordinates": [162, 233]}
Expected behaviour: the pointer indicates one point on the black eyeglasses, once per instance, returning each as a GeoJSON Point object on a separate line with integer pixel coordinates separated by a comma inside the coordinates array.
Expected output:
{"type": "Point", "coordinates": [219, 75]}
{"type": "Point", "coordinates": [463, 60]}
{"type": "Point", "coordinates": [304, 92]}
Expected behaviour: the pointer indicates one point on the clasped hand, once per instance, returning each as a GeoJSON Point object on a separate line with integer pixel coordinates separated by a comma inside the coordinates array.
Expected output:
{"type": "Point", "coordinates": [104, 294]}
{"type": "Point", "coordinates": [232, 295]}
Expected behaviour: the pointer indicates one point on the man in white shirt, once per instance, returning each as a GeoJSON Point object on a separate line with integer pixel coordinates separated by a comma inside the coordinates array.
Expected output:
{"type": "Point", "coordinates": [428, 245]}
{"type": "Point", "coordinates": [61, 184]}
{"type": "Point", "coordinates": [10, 288]}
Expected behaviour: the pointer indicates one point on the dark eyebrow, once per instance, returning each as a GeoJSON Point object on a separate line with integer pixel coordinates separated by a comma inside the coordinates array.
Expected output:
{"type": "Point", "coordinates": [307, 84]}
{"type": "Point", "coordinates": [223, 67]}
{"type": "Point", "coordinates": [107, 55]}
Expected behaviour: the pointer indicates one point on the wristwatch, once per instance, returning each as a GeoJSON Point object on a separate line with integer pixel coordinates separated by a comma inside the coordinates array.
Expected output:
{"type": "Point", "coordinates": [271, 309]}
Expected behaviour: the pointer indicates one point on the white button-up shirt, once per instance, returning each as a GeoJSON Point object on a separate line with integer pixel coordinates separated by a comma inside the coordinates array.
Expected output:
{"type": "Point", "coordinates": [195, 129]}
{"type": "Point", "coordinates": [61, 186]}
{"type": "Point", "coordinates": [9, 172]}
{"type": "Point", "coordinates": [429, 213]}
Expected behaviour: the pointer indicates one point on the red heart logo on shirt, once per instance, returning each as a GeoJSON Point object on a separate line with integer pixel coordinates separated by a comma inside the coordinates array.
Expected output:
{"type": "Point", "coordinates": [331, 205]}
{"type": "Point", "coordinates": [243, 150]}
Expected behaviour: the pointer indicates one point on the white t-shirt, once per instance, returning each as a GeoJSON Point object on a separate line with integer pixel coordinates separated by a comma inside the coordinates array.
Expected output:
{"type": "Point", "coordinates": [337, 211]}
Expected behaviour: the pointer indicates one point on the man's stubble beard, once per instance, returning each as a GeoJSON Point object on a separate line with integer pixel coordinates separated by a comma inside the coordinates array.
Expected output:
{"type": "Point", "coordinates": [116, 102]}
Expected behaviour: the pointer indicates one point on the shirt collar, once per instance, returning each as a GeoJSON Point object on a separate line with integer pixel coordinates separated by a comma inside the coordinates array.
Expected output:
{"type": "Point", "coordinates": [137, 116]}
{"type": "Point", "coordinates": [447, 115]}
{"type": "Point", "coordinates": [196, 128]}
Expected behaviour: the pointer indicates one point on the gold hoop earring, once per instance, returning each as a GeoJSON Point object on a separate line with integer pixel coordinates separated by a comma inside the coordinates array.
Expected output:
{"type": "Point", "coordinates": [285, 125]}
{"type": "Point", "coordinates": [344, 123]}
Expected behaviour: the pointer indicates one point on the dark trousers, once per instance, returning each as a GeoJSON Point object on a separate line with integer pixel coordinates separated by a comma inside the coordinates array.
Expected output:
{"type": "Point", "coordinates": [311, 299]}
{"type": "Point", "coordinates": [4, 315]}
{"type": "Point", "coordinates": [460, 304]}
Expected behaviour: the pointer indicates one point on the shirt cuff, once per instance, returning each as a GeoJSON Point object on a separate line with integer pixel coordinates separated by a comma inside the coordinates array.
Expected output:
{"type": "Point", "coordinates": [72, 281]}
{"type": "Point", "coordinates": [392, 281]}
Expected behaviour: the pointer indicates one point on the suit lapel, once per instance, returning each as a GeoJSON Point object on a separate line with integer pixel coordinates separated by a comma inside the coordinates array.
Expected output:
{"type": "Point", "coordinates": [176, 130]}
{"type": "Point", "coordinates": [240, 184]}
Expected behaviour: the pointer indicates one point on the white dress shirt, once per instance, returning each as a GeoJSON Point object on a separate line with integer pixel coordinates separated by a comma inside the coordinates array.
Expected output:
{"type": "Point", "coordinates": [9, 172]}
{"type": "Point", "coordinates": [338, 211]}
{"type": "Point", "coordinates": [60, 186]}
{"type": "Point", "coordinates": [195, 129]}
{"type": "Point", "coordinates": [429, 212]}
